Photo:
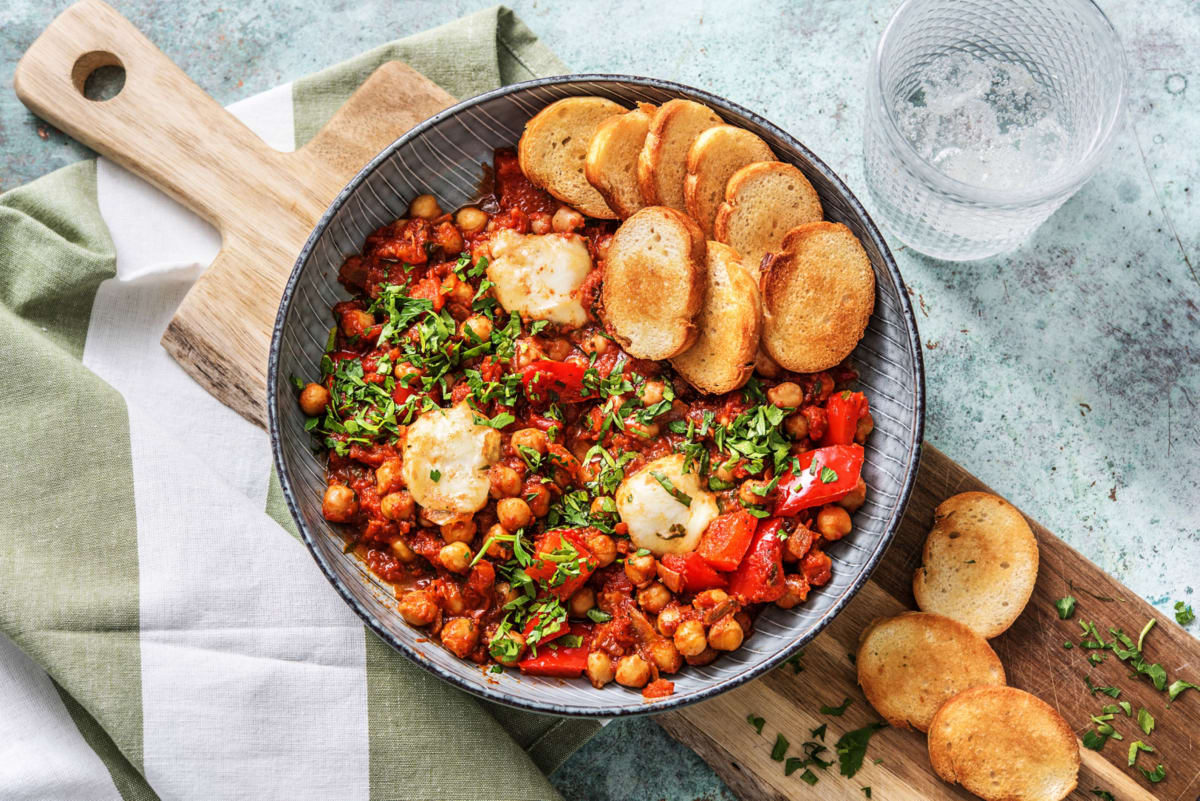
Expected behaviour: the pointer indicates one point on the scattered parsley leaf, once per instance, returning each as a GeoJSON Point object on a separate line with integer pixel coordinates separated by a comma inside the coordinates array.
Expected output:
{"type": "Point", "coordinates": [867, 791]}
{"type": "Point", "coordinates": [1065, 607]}
{"type": "Point", "coordinates": [1178, 686]}
{"type": "Point", "coordinates": [1154, 776]}
{"type": "Point", "coordinates": [779, 751]}
{"type": "Point", "coordinates": [1183, 613]}
{"type": "Point", "coordinates": [819, 732]}
{"type": "Point", "coordinates": [1094, 741]}
{"type": "Point", "coordinates": [756, 722]}
{"type": "Point", "coordinates": [674, 491]}
{"type": "Point", "coordinates": [1145, 720]}
{"type": "Point", "coordinates": [792, 765]}
{"type": "Point", "coordinates": [837, 711]}
{"type": "Point", "coordinates": [809, 777]}
{"type": "Point", "coordinates": [1135, 747]}
{"type": "Point", "coordinates": [851, 747]}
{"type": "Point", "coordinates": [598, 615]}
{"type": "Point", "coordinates": [1104, 794]}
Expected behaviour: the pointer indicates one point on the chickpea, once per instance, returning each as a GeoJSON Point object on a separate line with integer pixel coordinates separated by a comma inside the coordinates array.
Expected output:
{"type": "Point", "coordinates": [787, 394]}
{"type": "Point", "coordinates": [533, 438]}
{"type": "Point", "coordinates": [527, 352]}
{"type": "Point", "coordinates": [703, 658]}
{"type": "Point", "coordinates": [866, 424]}
{"type": "Point", "coordinates": [540, 222]}
{"type": "Point", "coordinates": [653, 597]}
{"type": "Point", "coordinates": [452, 598]}
{"type": "Point", "coordinates": [513, 513]}
{"type": "Point", "coordinates": [856, 498]}
{"type": "Point", "coordinates": [387, 476]}
{"type": "Point", "coordinates": [458, 290]}
{"type": "Point", "coordinates": [470, 219]}
{"type": "Point", "coordinates": [498, 649]}
{"type": "Point", "coordinates": [424, 206]}
{"type": "Point", "coordinates": [402, 552]}
{"type": "Point", "coordinates": [833, 522]}
{"type": "Point", "coordinates": [765, 366]}
{"type": "Point", "coordinates": [632, 671]}
{"type": "Point", "coordinates": [557, 349]}
{"type": "Point", "coordinates": [579, 603]}
{"type": "Point", "coordinates": [566, 219]}
{"type": "Point", "coordinates": [601, 506]}
{"type": "Point", "coordinates": [397, 505]}
{"type": "Point", "coordinates": [636, 428]}
{"type": "Point", "coordinates": [599, 668]}
{"type": "Point", "coordinates": [314, 399]}
{"type": "Point", "coordinates": [669, 621]}
{"type": "Point", "coordinates": [603, 547]}
{"type": "Point", "coordinates": [796, 593]}
{"type": "Point", "coordinates": [749, 492]}
{"type": "Point", "coordinates": [796, 426]}
{"type": "Point", "coordinates": [689, 638]}
{"type": "Point", "coordinates": [651, 392]}
{"type": "Point", "coordinates": [448, 238]}
{"type": "Point", "coordinates": [641, 570]}
{"type": "Point", "coordinates": [459, 531]}
{"type": "Point", "coordinates": [455, 557]}
{"type": "Point", "coordinates": [505, 592]}
{"type": "Point", "coordinates": [726, 634]}
{"type": "Point", "coordinates": [418, 608]}
{"type": "Point", "coordinates": [407, 374]}
{"type": "Point", "coordinates": [723, 472]}
{"type": "Point", "coordinates": [596, 343]}
{"type": "Point", "coordinates": [355, 322]}
{"type": "Point", "coordinates": [505, 482]}
{"type": "Point", "coordinates": [709, 599]}
{"type": "Point", "coordinates": [460, 636]}
{"type": "Point", "coordinates": [497, 548]}
{"type": "Point", "coordinates": [539, 501]}
{"type": "Point", "coordinates": [340, 503]}
{"type": "Point", "coordinates": [664, 655]}
{"type": "Point", "coordinates": [476, 327]}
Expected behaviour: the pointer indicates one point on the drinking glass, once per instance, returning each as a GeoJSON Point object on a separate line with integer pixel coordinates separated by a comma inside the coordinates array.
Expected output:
{"type": "Point", "coordinates": [984, 116]}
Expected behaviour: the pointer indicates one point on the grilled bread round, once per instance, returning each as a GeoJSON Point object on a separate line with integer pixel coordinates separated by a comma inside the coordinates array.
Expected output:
{"type": "Point", "coordinates": [979, 563]}
{"type": "Point", "coordinates": [654, 276]}
{"type": "Point", "coordinates": [818, 293]}
{"type": "Point", "coordinates": [662, 163]}
{"type": "Point", "coordinates": [714, 157]}
{"type": "Point", "coordinates": [763, 201]}
{"type": "Point", "coordinates": [554, 146]}
{"type": "Point", "coordinates": [722, 357]}
{"type": "Point", "coordinates": [910, 664]}
{"type": "Point", "coordinates": [1003, 744]}
{"type": "Point", "coordinates": [612, 159]}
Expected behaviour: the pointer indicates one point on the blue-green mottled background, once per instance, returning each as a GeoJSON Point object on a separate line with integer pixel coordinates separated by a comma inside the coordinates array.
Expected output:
{"type": "Point", "coordinates": [1065, 374]}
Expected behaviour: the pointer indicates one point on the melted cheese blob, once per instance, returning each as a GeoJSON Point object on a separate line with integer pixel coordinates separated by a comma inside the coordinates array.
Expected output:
{"type": "Point", "coordinates": [539, 275]}
{"type": "Point", "coordinates": [657, 520]}
{"type": "Point", "coordinates": [446, 461]}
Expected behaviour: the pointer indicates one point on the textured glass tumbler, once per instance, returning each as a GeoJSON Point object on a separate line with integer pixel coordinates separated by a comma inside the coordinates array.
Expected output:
{"type": "Point", "coordinates": [984, 116]}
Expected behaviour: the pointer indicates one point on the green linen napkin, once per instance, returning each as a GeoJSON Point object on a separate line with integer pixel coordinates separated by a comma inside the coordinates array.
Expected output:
{"type": "Point", "coordinates": [122, 645]}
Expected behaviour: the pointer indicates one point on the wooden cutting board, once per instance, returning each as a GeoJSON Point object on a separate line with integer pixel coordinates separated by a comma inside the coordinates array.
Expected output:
{"type": "Point", "coordinates": [264, 203]}
{"type": "Point", "coordinates": [166, 129]}
{"type": "Point", "coordinates": [1034, 660]}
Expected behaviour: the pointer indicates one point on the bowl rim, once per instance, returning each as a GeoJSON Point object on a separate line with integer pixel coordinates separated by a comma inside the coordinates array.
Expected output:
{"type": "Point", "coordinates": [639, 706]}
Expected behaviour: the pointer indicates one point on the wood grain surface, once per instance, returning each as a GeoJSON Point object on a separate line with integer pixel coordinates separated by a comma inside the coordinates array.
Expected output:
{"type": "Point", "coordinates": [265, 203]}
{"type": "Point", "coordinates": [1034, 659]}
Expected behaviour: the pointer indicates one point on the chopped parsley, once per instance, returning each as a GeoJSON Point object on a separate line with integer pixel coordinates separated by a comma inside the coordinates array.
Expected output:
{"type": "Point", "coordinates": [435, 476]}
{"type": "Point", "coordinates": [756, 722]}
{"type": "Point", "coordinates": [851, 747]}
{"type": "Point", "coordinates": [1135, 747]}
{"type": "Point", "coordinates": [828, 475]}
{"type": "Point", "coordinates": [1154, 776]}
{"type": "Point", "coordinates": [839, 710]}
{"type": "Point", "coordinates": [674, 491]}
{"type": "Point", "coordinates": [1065, 607]}
{"type": "Point", "coordinates": [1183, 613]}
{"type": "Point", "coordinates": [779, 751]}
{"type": "Point", "coordinates": [1145, 720]}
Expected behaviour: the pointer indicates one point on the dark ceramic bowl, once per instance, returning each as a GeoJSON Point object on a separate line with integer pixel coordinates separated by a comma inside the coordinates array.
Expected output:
{"type": "Point", "coordinates": [444, 156]}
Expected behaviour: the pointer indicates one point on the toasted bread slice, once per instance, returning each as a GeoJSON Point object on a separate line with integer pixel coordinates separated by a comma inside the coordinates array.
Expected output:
{"type": "Point", "coordinates": [1001, 743]}
{"type": "Point", "coordinates": [979, 563]}
{"type": "Point", "coordinates": [654, 283]}
{"type": "Point", "coordinates": [910, 664]}
{"type": "Point", "coordinates": [715, 156]}
{"type": "Point", "coordinates": [763, 201]}
{"type": "Point", "coordinates": [554, 146]}
{"type": "Point", "coordinates": [722, 357]}
{"type": "Point", "coordinates": [612, 159]}
{"type": "Point", "coordinates": [662, 163]}
{"type": "Point", "coordinates": [818, 293]}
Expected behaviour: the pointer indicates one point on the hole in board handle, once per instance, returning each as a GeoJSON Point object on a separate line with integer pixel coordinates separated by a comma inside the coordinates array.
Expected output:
{"type": "Point", "coordinates": [98, 75]}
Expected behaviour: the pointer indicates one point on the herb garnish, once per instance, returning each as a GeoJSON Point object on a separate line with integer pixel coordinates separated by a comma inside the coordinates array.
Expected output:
{"type": "Point", "coordinates": [837, 711]}
{"type": "Point", "coordinates": [674, 491]}
{"type": "Point", "coordinates": [756, 722]}
{"type": "Point", "coordinates": [851, 747]}
{"type": "Point", "coordinates": [1065, 607]}
{"type": "Point", "coordinates": [781, 748]}
{"type": "Point", "coordinates": [1183, 613]}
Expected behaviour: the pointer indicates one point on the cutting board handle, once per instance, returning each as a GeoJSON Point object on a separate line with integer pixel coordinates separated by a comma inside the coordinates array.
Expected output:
{"type": "Point", "coordinates": [160, 125]}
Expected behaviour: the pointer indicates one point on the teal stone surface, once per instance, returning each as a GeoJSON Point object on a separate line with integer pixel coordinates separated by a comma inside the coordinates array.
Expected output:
{"type": "Point", "coordinates": [1065, 374]}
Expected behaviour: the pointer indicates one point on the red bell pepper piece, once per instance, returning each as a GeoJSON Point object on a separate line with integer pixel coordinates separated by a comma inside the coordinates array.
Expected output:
{"type": "Point", "coordinates": [563, 663]}
{"type": "Point", "coordinates": [726, 539]}
{"type": "Point", "coordinates": [546, 379]}
{"type": "Point", "coordinates": [547, 636]}
{"type": "Point", "coordinates": [759, 578]}
{"type": "Point", "coordinates": [843, 410]}
{"type": "Point", "coordinates": [544, 567]}
{"type": "Point", "coordinates": [826, 475]}
{"type": "Point", "coordinates": [689, 573]}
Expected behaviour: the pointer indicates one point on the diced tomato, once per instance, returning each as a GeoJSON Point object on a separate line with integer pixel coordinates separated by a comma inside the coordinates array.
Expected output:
{"type": "Point", "coordinates": [826, 475]}
{"type": "Point", "coordinates": [726, 539]}
{"type": "Point", "coordinates": [759, 578]}
{"type": "Point", "coordinates": [688, 573]}
{"type": "Point", "coordinates": [816, 567]}
{"type": "Point", "coordinates": [543, 568]}
{"type": "Point", "coordinates": [563, 663]}
{"type": "Point", "coordinates": [401, 393]}
{"type": "Point", "coordinates": [544, 380]}
{"type": "Point", "coordinates": [430, 288]}
{"type": "Point", "coordinates": [843, 410]}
